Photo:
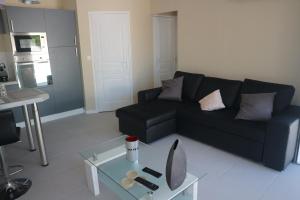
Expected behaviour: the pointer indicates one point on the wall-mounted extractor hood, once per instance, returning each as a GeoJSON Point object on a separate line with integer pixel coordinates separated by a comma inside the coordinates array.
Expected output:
{"type": "Point", "coordinates": [31, 1]}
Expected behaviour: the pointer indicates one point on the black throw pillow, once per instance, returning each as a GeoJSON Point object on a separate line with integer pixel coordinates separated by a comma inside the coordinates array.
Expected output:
{"type": "Point", "coordinates": [256, 107]}
{"type": "Point", "coordinates": [172, 89]}
{"type": "Point", "coordinates": [283, 97]}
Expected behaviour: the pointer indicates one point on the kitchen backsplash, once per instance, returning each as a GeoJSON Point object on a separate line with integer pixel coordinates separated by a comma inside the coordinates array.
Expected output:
{"type": "Point", "coordinates": [7, 59]}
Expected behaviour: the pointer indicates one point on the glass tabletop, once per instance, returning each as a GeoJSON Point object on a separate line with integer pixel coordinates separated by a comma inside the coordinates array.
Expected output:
{"type": "Point", "coordinates": [113, 167]}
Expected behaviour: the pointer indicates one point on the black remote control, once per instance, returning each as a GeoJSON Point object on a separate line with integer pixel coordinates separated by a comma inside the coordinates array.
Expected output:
{"type": "Point", "coordinates": [152, 172]}
{"type": "Point", "coordinates": [146, 183]}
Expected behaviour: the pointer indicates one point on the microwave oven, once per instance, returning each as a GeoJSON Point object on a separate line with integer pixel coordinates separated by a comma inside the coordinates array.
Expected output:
{"type": "Point", "coordinates": [29, 43]}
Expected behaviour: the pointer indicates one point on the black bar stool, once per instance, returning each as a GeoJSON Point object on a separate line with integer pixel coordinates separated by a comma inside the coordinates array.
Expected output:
{"type": "Point", "coordinates": [9, 134]}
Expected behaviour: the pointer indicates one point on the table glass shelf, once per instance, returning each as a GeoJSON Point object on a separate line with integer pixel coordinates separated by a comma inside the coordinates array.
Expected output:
{"type": "Point", "coordinates": [110, 160]}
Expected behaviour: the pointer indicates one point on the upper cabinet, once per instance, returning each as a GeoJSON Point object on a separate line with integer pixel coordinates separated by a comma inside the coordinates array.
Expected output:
{"type": "Point", "coordinates": [26, 19]}
{"type": "Point", "coordinates": [61, 28]}
{"type": "Point", "coordinates": [60, 25]}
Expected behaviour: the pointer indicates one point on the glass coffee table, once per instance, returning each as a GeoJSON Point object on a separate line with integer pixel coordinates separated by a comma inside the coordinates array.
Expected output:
{"type": "Point", "coordinates": [107, 164]}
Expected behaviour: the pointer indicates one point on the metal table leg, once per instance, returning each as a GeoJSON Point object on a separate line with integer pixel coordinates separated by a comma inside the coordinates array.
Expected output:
{"type": "Point", "coordinates": [28, 128]}
{"type": "Point", "coordinates": [39, 134]}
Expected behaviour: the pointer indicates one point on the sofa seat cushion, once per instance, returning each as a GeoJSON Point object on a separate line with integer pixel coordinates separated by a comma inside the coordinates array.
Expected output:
{"type": "Point", "coordinates": [191, 83]}
{"type": "Point", "coordinates": [229, 89]}
{"type": "Point", "coordinates": [151, 113]}
{"type": "Point", "coordinates": [224, 120]}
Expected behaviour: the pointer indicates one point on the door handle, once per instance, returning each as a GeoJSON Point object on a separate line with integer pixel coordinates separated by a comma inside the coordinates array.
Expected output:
{"type": "Point", "coordinates": [41, 62]}
{"type": "Point", "coordinates": [12, 25]}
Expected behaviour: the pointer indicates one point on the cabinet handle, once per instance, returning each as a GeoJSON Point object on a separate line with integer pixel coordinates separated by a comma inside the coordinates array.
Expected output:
{"type": "Point", "coordinates": [76, 51]}
{"type": "Point", "coordinates": [12, 25]}
{"type": "Point", "coordinates": [24, 63]}
{"type": "Point", "coordinates": [75, 40]}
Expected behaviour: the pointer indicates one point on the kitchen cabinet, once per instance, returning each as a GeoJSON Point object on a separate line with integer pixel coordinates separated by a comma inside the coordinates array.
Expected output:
{"type": "Point", "coordinates": [48, 107]}
{"type": "Point", "coordinates": [66, 93]}
{"type": "Point", "coordinates": [67, 79]}
{"type": "Point", "coordinates": [61, 28]}
{"type": "Point", "coordinates": [26, 19]}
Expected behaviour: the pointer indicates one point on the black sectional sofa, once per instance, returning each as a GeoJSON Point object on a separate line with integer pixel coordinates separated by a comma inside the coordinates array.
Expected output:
{"type": "Point", "coordinates": [273, 143]}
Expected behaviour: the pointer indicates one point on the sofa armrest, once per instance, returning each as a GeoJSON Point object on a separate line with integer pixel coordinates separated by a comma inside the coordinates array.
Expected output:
{"type": "Point", "coordinates": [281, 139]}
{"type": "Point", "coordinates": [148, 95]}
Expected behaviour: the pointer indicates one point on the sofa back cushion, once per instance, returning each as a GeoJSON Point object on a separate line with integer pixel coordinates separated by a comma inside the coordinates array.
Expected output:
{"type": "Point", "coordinates": [191, 83]}
{"type": "Point", "coordinates": [229, 89]}
{"type": "Point", "coordinates": [283, 97]}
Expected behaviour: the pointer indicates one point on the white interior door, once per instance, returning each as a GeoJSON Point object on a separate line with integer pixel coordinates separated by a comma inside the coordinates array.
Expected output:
{"type": "Point", "coordinates": [165, 48]}
{"type": "Point", "coordinates": [111, 56]}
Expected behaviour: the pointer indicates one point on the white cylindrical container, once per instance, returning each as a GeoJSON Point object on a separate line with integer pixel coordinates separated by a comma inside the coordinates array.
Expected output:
{"type": "Point", "coordinates": [132, 148]}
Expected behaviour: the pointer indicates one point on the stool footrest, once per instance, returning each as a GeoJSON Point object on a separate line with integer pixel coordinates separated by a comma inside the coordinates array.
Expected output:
{"type": "Point", "coordinates": [12, 171]}
{"type": "Point", "coordinates": [14, 188]}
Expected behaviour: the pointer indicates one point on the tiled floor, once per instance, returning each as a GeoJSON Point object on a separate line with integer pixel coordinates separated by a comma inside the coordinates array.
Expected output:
{"type": "Point", "coordinates": [229, 177]}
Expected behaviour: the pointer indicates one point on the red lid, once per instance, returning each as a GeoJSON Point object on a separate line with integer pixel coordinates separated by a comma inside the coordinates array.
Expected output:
{"type": "Point", "coordinates": [132, 138]}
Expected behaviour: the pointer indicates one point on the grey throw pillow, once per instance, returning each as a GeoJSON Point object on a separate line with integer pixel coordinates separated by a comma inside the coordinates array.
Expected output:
{"type": "Point", "coordinates": [256, 107]}
{"type": "Point", "coordinates": [172, 89]}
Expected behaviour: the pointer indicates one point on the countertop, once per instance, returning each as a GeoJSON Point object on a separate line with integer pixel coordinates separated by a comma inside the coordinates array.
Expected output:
{"type": "Point", "coordinates": [22, 97]}
{"type": "Point", "coordinates": [9, 83]}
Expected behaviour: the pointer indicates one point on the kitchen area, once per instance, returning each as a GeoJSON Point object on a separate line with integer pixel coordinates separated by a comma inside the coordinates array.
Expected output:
{"type": "Point", "coordinates": [40, 68]}
{"type": "Point", "coordinates": [40, 79]}
{"type": "Point", "coordinates": [39, 49]}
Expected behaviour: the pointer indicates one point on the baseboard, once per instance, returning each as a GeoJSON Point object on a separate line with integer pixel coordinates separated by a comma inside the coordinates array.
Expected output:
{"type": "Point", "coordinates": [91, 111]}
{"type": "Point", "coordinates": [55, 116]}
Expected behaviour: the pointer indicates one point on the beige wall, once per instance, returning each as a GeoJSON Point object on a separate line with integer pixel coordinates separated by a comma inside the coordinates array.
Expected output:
{"type": "Point", "coordinates": [235, 39]}
{"type": "Point", "coordinates": [69, 4]}
{"type": "Point", "coordinates": [2, 46]}
{"type": "Point", "coordinates": [141, 36]}
{"type": "Point", "coordinates": [2, 40]}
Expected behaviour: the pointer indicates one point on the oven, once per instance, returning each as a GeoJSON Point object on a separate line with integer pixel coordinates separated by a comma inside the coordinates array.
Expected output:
{"type": "Point", "coordinates": [29, 43]}
{"type": "Point", "coordinates": [33, 73]}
